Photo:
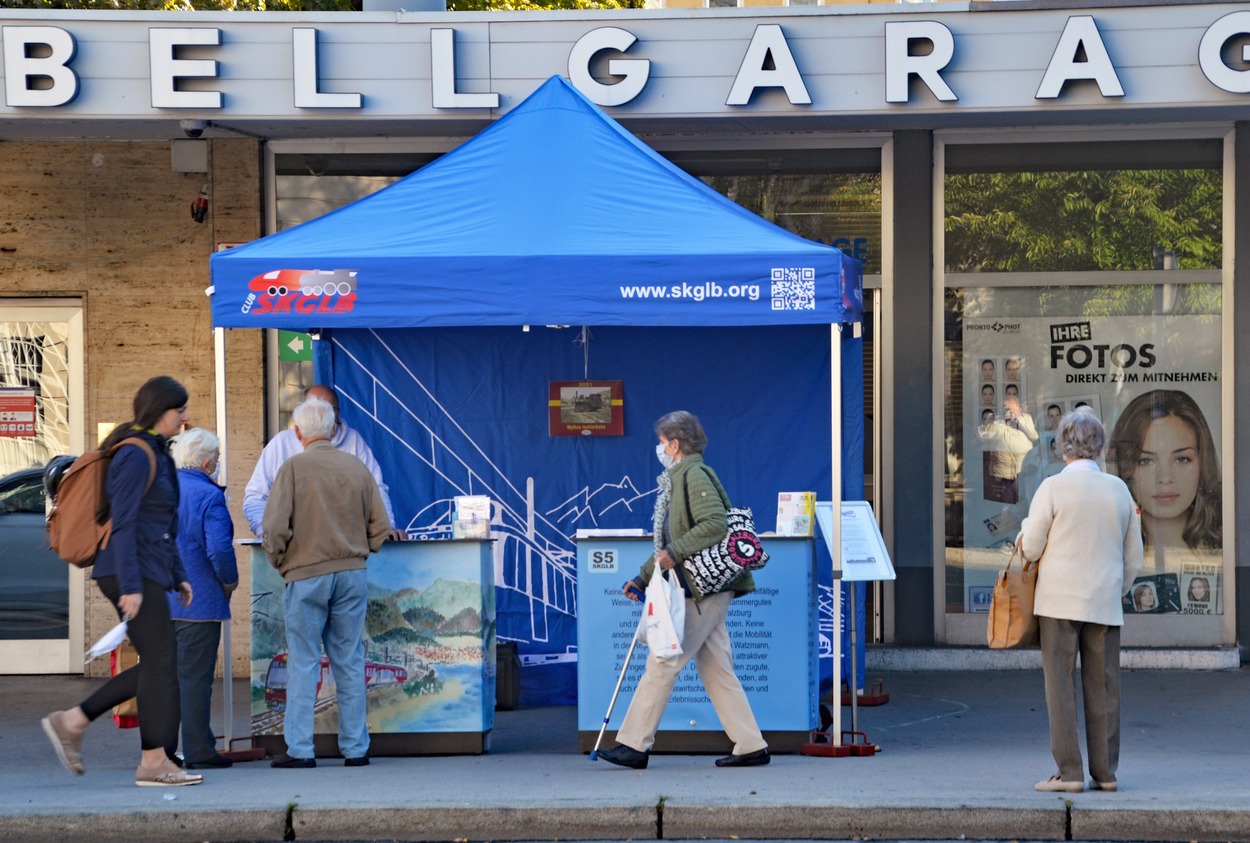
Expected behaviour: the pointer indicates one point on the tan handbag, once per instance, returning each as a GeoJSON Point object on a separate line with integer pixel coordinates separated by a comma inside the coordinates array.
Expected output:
{"type": "Point", "coordinates": [126, 714]}
{"type": "Point", "coordinates": [1012, 622]}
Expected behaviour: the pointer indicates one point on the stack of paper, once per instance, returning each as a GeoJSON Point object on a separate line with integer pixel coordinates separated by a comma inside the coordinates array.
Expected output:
{"type": "Point", "coordinates": [794, 513]}
{"type": "Point", "coordinates": [471, 520]}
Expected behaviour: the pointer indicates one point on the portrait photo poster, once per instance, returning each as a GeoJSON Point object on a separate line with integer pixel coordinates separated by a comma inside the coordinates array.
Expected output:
{"type": "Point", "coordinates": [1021, 375]}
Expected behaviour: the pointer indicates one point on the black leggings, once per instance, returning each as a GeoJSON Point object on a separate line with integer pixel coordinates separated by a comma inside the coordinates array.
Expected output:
{"type": "Point", "coordinates": [154, 680]}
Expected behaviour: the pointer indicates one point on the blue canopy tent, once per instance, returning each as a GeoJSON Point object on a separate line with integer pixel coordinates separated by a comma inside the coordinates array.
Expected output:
{"type": "Point", "coordinates": [557, 216]}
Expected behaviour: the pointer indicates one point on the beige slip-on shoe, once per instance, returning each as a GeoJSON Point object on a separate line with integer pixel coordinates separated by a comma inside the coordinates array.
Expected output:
{"type": "Point", "coordinates": [1054, 784]}
{"type": "Point", "coordinates": [68, 744]}
{"type": "Point", "coordinates": [145, 777]}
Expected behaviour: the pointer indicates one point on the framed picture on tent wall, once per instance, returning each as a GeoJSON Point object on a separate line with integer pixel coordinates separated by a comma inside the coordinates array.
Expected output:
{"type": "Point", "coordinates": [585, 408]}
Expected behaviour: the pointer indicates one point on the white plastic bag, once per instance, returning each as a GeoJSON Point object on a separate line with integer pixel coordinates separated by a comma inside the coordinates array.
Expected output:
{"type": "Point", "coordinates": [664, 615]}
{"type": "Point", "coordinates": [107, 642]}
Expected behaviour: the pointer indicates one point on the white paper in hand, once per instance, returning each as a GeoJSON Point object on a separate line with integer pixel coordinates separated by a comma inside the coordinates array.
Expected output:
{"type": "Point", "coordinates": [107, 643]}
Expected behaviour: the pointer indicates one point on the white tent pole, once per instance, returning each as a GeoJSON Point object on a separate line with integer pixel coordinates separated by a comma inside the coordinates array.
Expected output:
{"type": "Point", "coordinates": [223, 469]}
{"type": "Point", "coordinates": [835, 404]}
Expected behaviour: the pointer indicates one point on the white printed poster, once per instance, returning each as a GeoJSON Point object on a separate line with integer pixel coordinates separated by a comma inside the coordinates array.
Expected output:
{"type": "Point", "coordinates": [1154, 381]}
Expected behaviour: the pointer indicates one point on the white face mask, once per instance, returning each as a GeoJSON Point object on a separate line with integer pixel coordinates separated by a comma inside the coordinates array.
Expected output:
{"type": "Point", "coordinates": [664, 458]}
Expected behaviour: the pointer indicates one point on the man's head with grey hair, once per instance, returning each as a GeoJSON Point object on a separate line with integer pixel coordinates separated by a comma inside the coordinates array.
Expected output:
{"type": "Point", "coordinates": [1081, 434]}
{"type": "Point", "coordinates": [314, 419]}
{"type": "Point", "coordinates": [194, 446]}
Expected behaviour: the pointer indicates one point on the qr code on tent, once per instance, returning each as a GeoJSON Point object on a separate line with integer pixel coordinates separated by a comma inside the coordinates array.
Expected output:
{"type": "Point", "coordinates": [794, 288]}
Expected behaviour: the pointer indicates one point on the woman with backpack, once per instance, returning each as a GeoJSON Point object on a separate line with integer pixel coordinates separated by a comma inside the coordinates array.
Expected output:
{"type": "Point", "coordinates": [136, 569]}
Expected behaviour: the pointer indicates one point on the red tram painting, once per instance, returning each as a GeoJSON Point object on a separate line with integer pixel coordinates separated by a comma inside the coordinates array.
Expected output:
{"type": "Point", "coordinates": [377, 675]}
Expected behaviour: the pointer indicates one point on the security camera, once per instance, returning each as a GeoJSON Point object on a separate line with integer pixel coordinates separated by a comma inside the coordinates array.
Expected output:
{"type": "Point", "coordinates": [193, 128]}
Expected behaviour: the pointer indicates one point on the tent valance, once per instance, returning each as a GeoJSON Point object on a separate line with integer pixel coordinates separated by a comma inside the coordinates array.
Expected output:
{"type": "Point", "coordinates": [553, 215]}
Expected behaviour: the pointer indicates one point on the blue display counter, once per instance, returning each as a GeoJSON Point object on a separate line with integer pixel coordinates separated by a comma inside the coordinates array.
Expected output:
{"type": "Point", "coordinates": [429, 652]}
{"type": "Point", "coordinates": [774, 634]}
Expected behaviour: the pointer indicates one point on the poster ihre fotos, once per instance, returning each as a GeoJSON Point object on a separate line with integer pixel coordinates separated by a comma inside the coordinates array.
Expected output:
{"type": "Point", "coordinates": [1154, 381]}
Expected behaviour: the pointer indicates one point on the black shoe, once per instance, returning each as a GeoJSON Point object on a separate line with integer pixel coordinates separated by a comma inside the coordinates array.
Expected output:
{"type": "Point", "coordinates": [752, 759]}
{"type": "Point", "coordinates": [211, 762]}
{"type": "Point", "coordinates": [288, 762]}
{"type": "Point", "coordinates": [625, 756]}
{"type": "Point", "coordinates": [362, 761]}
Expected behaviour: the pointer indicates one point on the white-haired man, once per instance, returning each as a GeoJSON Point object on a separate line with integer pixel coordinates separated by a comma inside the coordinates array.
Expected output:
{"type": "Point", "coordinates": [324, 517]}
{"type": "Point", "coordinates": [285, 445]}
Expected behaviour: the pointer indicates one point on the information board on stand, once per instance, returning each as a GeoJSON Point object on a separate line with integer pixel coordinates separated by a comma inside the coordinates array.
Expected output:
{"type": "Point", "coordinates": [864, 558]}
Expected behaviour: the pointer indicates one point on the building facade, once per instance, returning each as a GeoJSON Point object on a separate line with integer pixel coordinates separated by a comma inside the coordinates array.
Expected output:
{"type": "Point", "coordinates": [1045, 196]}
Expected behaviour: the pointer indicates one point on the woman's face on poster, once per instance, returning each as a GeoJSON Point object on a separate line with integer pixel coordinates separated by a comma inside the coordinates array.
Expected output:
{"type": "Point", "coordinates": [987, 370]}
{"type": "Point", "coordinates": [1146, 599]}
{"type": "Point", "coordinates": [1165, 478]}
{"type": "Point", "coordinates": [987, 396]}
{"type": "Point", "coordinates": [1199, 589]}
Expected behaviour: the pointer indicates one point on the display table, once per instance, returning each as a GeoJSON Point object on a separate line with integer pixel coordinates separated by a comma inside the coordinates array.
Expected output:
{"type": "Point", "coordinates": [774, 638]}
{"type": "Point", "coordinates": [429, 652]}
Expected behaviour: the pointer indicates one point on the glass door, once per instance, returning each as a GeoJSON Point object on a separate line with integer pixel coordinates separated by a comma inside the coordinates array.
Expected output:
{"type": "Point", "coordinates": [41, 389]}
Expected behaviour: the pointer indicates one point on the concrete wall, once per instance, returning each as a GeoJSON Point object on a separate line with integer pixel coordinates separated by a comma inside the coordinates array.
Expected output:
{"type": "Point", "coordinates": [109, 223]}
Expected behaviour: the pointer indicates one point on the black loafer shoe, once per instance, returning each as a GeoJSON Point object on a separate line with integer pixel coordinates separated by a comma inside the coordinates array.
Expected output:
{"type": "Point", "coordinates": [362, 761]}
{"type": "Point", "coordinates": [212, 762]}
{"type": "Point", "coordinates": [625, 756]}
{"type": "Point", "coordinates": [288, 762]}
{"type": "Point", "coordinates": [752, 759]}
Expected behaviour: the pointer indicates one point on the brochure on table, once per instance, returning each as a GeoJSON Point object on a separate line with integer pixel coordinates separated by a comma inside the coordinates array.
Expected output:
{"type": "Point", "coordinates": [864, 557]}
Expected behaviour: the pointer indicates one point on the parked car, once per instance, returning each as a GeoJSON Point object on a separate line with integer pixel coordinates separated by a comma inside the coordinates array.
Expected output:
{"type": "Point", "coordinates": [34, 581]}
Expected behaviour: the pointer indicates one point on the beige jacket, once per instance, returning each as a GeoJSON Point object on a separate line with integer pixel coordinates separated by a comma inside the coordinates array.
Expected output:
{"type": "Point", "coordinates": [1084, 526]}
{"type": "Point", "coordinates": [324, 514]}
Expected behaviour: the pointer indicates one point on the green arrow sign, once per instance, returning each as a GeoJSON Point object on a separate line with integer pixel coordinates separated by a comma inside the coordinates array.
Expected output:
{"type": "Point", "coordinates": [292, 345]}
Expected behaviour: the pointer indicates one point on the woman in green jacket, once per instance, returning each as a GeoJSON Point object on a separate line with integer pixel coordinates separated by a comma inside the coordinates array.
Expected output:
{"type": "Point", "coordinates": [690, 515]}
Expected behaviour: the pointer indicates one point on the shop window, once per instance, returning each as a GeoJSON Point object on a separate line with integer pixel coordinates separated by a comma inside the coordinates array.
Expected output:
{"type": "Point", "coordinates": [842, 209]}
{"type": "Point", "coordinates": [1094, 220]}
{"type": "Point", "coordinates": [1069, 240]}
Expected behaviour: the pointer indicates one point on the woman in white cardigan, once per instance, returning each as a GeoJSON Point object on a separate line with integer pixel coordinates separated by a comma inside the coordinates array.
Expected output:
{"type": "Point", "coordinates": [1083, 526]}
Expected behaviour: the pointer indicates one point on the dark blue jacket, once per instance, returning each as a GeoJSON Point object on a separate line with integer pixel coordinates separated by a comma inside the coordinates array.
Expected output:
{"type": "Point", "coordinates": [206, 547]}
{"type": "Point", "coordinates": [142, 545]}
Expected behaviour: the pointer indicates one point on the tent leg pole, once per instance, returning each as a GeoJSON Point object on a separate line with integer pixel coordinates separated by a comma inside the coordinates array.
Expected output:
{"type": "Point", "coordinates": [835, 430]}
{"type": "Point", "coordinates": [223, 468]}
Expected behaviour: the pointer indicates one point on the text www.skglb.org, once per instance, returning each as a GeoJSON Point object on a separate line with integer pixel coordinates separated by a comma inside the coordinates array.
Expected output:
{"type": "Point", "coordinates": [695, 292]}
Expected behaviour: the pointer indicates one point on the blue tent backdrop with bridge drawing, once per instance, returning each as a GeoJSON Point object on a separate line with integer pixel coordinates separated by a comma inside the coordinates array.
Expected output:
{"type": "Point", "coordinates": [545, 219]}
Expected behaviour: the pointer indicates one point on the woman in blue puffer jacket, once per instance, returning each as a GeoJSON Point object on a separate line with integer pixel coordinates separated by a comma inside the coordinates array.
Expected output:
{"type": "Point", "coordinates": [206, 545]}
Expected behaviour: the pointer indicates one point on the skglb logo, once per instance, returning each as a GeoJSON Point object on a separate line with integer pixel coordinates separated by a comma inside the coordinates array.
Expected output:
{"type": "Point", "coordinates": [302, 291]}
{"type": "Point", "coordinates": [603, 561]}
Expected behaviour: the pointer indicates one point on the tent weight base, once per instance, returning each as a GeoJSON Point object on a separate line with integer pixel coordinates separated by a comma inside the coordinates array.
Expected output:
{"type": "Point", "coordinates": [853, 744]}
{"type": "Point", "coordinates": [254, 753]}
{"type": "Point", "coordinates": [876, 695]}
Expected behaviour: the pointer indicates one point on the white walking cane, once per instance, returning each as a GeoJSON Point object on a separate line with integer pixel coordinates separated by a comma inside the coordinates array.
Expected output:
{"type": "Point", "coordinates": [594, 753]}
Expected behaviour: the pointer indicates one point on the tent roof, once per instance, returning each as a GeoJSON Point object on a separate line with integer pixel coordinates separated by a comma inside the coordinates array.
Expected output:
{"type": "Point", "coordinates": [555, 214]}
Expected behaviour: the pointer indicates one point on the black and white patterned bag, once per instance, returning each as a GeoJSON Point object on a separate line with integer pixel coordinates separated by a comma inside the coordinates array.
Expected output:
{"type": "Point", "coordinates": [710, 570]}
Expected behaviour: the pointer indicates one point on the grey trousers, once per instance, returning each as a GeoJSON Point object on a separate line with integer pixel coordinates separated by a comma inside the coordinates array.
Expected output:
{"type": "Point", "coordinates": [1099, 647]}
{"type": "Point", "coordinates": [707, 639]}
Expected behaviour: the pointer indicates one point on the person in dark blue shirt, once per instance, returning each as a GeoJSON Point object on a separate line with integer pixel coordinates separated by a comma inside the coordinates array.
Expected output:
{"type": "Point", "coordinates": [134, 571]}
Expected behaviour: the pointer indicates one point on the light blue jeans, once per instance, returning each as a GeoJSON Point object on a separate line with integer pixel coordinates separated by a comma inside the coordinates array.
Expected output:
{"type": "Point", "coordinates": [329, 610]}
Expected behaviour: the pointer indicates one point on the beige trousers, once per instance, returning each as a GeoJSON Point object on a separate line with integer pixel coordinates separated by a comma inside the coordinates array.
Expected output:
{"type": "Point", "coordinates": [1099, 647]}
{"type": "Point", "coordinates": [706, 640]}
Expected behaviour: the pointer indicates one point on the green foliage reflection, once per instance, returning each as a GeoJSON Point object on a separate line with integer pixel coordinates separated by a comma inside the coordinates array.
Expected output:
{"type": "Point", "coordinates": [1074, 221]}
